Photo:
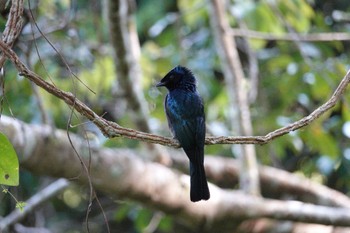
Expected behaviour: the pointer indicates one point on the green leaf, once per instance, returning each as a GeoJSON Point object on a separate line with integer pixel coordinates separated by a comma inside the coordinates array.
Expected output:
{"type": "Point", "coordinates": [143, 218]}
{"type": "Point", "coordinates": [166, 224]}
{"type": "Point", "coordinates": [122, 212]}
{"type": "Point", "coordinates": [9, 173]}
{"type": "Point", "coordinates": [20, 205]}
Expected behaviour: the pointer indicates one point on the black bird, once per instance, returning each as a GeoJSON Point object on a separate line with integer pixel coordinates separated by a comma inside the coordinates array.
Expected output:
{"type": "Point", "coordinates": [185, 113]}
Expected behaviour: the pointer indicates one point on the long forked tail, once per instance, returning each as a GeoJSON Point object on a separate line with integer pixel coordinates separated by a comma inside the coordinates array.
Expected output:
{"type": "Point", "coordinates": [199, 185]}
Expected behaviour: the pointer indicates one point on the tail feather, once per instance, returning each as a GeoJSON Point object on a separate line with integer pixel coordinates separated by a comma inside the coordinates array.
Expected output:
{"type": "Point", "coordinates": [199, 185]}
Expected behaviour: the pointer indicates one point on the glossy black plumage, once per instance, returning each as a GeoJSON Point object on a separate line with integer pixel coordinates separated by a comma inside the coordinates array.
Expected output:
{"type": "Point", "coordinates": [185, 113]}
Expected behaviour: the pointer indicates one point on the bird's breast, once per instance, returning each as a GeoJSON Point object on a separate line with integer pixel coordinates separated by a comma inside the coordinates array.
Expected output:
{"type": "Point", "coordinates": [184, 105]}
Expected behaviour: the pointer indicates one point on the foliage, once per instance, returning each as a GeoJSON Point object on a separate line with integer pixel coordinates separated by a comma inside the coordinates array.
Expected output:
{"type": "Point", "coordinates": [9, 173]}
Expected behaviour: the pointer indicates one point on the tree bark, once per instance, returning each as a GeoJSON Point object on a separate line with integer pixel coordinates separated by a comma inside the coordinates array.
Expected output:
{"type": "Point", "coordinates": [122, 174]}
{"type": "Point", "coordinates": [238, 95]}
{"type": "Point", "coordinates": [126, 48]}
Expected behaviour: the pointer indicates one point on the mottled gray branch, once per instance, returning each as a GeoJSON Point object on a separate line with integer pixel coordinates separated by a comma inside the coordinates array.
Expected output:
{"type": "Point", "coordinates": [310, 37]}
{"type": "Point", "coordinates": [122, 174]}
{"type": "Point", "coordinates": [238, 94]}
{"type": "Point", "coordinates": [126, 51]}
{"type": "Point", "coordinates": [33, 203]}
{"type": "Point", "coordinates": [275, 183]}
{"type": "Point", "coordinates": [13, 26]}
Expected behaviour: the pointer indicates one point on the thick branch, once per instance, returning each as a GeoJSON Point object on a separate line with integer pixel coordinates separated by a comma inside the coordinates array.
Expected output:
{"type": "Point", "coordinates": [311, 37]}
{"type": "Point", "coordinates": [126, 48]}
{"type": "Point", "coordinates": [275, 183]}
{"type": "Point", "coordinates": [235, 80]}
{"type": "Point", "coordinates": [111, 129]}
{"type": "Point", "coordinates": [33, 203]}
{"type": "Point", "coordinates": [151, 183]}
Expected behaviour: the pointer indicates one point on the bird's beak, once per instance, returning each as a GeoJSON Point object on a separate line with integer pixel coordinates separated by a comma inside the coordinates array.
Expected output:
{"type": "Point", "coordinates": [160, 84]}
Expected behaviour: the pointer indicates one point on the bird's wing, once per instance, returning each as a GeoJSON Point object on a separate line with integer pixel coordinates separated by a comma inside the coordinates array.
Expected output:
{"type": "Point", "coordinates": [186, 123]}
{"type": "Point", "coordinates": [170, 115]}
{"type": "Point", "coordinates": [200, 131]}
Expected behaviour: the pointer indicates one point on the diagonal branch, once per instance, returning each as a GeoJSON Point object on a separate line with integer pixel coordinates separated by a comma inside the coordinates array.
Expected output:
{"type": "Point", "coordinates": [111, 129]}
{"type": "Point", "coordinates": [291, 127]}
{"type": "Point", "coordinates": [39, 198]}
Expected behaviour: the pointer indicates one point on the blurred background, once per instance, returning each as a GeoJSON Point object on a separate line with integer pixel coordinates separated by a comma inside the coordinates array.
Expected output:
{"type": "Point", "coordinates": [291, 55]}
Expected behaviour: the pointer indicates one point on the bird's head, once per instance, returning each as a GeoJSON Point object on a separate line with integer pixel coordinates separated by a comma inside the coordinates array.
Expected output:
{"type": "Point", "coordinates": [179, 77]}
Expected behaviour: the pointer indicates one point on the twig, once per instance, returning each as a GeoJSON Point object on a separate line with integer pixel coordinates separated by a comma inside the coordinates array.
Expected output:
{"type": "Point", "coordinates": [293, 33]}
{"type": "Point", "coordinates": [46, 31]}
{"type": "Point", "coordinates": [39, 198]}
{"type": "Point", "coordinates": [63, 59]}
{"type": "Point", "coordinates": [111, 129]}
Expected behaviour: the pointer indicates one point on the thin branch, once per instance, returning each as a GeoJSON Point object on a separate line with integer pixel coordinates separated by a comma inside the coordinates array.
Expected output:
{"type": "Point", "coordinates": [293, 33]}
{"type": "Point", "coordinates": [63, 59]}
{"type": "Point", "coordinates": [46, 31]}
{"type": "Point", "coordinates": [33, 203]}
{"type": "Point", "coordinates": [111, 129]}
{"type": "Point", "coordinates": [45, 118]}
{"type": "Point", "coordinates": [253, 66]}
{"type": "Point", "coordinates": [291, 127]}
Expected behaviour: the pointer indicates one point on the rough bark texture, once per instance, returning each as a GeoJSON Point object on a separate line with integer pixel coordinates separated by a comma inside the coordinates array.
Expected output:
{"type": "Point", "coordinates": [121, 173]}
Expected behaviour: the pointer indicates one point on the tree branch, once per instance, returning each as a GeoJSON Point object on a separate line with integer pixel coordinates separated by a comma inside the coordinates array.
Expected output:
{"type": "Point", "coordinates": [311, 37]}
{"type": "Point", "coordinates": [151, 183]}
{"type": "Point", "coordinates": [281, 184]}
{"type": "Point", "coordinates": [126, 48]}
{"type": "Point", "coordinates": [33, 203]}
{"type": "Point", "coordinates": [275, 183]}
{"type": "Point", "coordinates": [13, 26]}
{"type": "Point", "coordinates": [111, 129]}
{"type": "Point", "coordinates": [235, 80]}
